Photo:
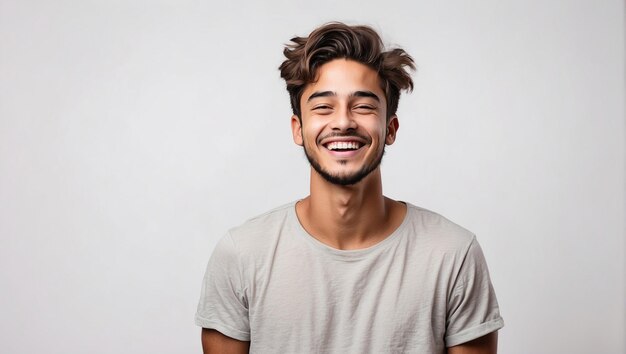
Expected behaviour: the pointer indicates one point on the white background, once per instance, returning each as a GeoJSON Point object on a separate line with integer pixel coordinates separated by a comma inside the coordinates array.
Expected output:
{"type": "Point", "coordinates": [133, 134]}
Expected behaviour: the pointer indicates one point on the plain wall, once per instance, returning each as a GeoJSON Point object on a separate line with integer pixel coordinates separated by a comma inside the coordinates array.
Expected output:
{"type": "Point", "coordinates": [133, 134]}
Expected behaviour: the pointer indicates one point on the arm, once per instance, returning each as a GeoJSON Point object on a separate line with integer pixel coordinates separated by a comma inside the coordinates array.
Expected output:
{"type": "Point", "coordinates": [215, 342]}
{"type": "Point", "coordinates": [487, 344]}
{"type": "Point", "coordinates": [472, 308]}
{"type": "Point", "coordinates": [222, 309]}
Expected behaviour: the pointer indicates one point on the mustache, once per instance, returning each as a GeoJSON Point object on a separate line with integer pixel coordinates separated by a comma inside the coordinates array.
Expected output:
{"type": "Point", "coordinates": [344, 135]}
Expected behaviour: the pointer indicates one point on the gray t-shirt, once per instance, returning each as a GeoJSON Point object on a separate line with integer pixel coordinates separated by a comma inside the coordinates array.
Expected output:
{"type": "Point", "coordinates": [423, 288]}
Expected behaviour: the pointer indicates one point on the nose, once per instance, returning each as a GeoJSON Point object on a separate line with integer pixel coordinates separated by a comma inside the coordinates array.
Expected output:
{"type": "Point", "coordinates": [343, 120]}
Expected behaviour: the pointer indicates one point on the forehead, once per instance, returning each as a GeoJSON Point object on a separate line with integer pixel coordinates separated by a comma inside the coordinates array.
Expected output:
{"type": "Point", "coordinates": [344, 76]}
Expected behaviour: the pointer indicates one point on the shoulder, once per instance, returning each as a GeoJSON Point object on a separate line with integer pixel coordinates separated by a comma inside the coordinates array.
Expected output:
{"type": "Point", "coordinates": [431, 229]}
{"type": "Point", "coordinates": [260, 230]}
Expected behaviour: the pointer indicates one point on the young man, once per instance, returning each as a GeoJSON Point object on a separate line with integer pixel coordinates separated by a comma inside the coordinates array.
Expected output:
{"type": "Point", "coordinates": [347, 270]}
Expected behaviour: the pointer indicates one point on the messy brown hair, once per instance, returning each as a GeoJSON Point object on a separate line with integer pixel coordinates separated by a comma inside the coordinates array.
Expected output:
{"type": "Point", "coordinates": [337, 40]}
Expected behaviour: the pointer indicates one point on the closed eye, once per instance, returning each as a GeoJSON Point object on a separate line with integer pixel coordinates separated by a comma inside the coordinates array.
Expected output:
{"type": "Point", "coordinates": [364, 108]}
{"type": "Point", "coordinates": [322, 109]}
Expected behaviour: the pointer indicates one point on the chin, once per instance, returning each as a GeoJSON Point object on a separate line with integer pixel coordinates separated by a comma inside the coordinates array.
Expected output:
{"type": "Point", "coordinates": [344, 179]}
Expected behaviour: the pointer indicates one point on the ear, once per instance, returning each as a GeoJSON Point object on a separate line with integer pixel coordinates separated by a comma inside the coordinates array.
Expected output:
{"type": "Point", "coordinates": [296, 130]}
{"type": "Point", "coordinates": [392, 129]}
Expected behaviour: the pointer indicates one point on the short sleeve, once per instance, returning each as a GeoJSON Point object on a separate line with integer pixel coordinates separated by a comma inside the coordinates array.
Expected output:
{"type": "Point", "coordinates": [472, 306]}
{"type": "Point", "coordinates": [223, 305]}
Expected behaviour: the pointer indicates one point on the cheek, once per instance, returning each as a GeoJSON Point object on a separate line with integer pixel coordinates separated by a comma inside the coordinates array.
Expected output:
{"type": "Point", "coordinates": [311, 131]}
{"type": "Point", "coordinates": [377, 130]}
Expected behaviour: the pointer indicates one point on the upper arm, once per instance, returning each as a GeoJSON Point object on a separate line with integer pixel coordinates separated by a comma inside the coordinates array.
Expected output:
{"type": "Point", "coordinates": [472, 308]}
{"type": "Point", "coordinates": [487, 344]}
{"type": "Point", "coordinates": [223, 301]}
{"type": "Point", "coordinates": [215, 342]}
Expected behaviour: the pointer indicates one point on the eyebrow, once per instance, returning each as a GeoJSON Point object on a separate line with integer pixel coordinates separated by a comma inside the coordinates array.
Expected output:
{"type": "Point", "coordinates": [369, 94]}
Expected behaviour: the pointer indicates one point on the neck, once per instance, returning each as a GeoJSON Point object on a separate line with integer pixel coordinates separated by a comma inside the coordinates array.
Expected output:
{"type": "Point", "coordinates": [348, 217]}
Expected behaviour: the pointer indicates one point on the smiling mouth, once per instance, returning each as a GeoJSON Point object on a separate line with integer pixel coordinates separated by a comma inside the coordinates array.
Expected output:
{"type": "Point", "coordinates": [343, 145]}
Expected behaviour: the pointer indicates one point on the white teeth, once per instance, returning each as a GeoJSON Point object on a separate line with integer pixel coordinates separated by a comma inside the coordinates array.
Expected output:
{"type": "Point", "coordinates": [343, 145]}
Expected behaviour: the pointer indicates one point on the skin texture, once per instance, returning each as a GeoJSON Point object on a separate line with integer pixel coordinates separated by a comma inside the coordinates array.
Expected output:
{"type": "Point", "coordinates": [346, 208]}
{"type": "Point", "coordinates": [345, 102]}
{"type": "Point", "coordinates": [358, 215]}
{"type": "Point", "coordinates": [213, 342]}
{"type": "Point", "coordinates": [484, 345]}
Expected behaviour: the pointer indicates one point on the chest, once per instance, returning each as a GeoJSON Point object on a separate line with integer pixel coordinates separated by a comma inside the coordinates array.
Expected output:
{"type": "Point", "coordinates": [391, 298]}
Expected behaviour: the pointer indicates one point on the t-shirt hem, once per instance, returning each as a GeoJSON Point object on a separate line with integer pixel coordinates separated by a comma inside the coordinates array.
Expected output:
{"type": "Point", "coordinates": [474, 332]}
{"type": "Point", "coordinates": [225, 330]}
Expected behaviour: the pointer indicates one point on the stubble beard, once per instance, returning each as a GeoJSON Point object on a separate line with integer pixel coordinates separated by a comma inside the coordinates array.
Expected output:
{"type": "Point", "coordinates": [347, 180]}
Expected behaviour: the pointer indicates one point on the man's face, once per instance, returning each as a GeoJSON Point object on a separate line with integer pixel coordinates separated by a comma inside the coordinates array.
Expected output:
{"type": "Point", "coordinates": [344, 127]}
